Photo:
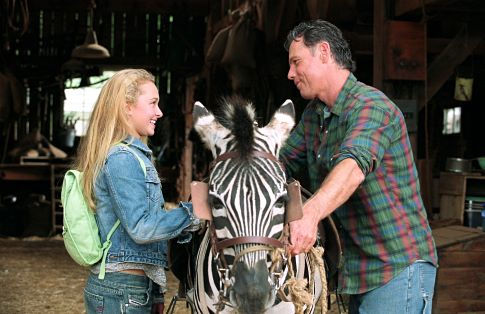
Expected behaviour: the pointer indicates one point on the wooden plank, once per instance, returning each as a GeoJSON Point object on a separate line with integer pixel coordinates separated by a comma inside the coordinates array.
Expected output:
{"type": "Point", "coordinates": [450, 259]}
{"type": "Point", "coordinates": [185, 177]}
{"type": "Point", "coordinates": [457, 306]}
{"type": "Point", "coordinates": [405, 50]}
{"type": "Point", "coordinates": [451, 207]}
{"type": "Point", "coordinates": [461, 291]}
{"type": "Point", "coordinates": [402, 7]}
{"type": "Point", "coordinates": [451, 183]}
{"type": "Point", "coordinates": [461, 229]}
{"type": "Point", "coordinates": [443, 66]}
{"type": "Point", "coordinates": [362, 43]}
{"type": "Point", "coordinates": [193, 7]}
{"type": "Point", "coordinates": [450, 235]}
{"type": "Point", "coordinates": [475, 244]}
{"type": "Point", "coordinates": [317, 8]}
{"type": "Point", "coordinates": [16, 172]}
{"type": "Point", "coordinates": [378, 46]}
{"type": "Point", "coordinates": [460, 275]}
{"type": "Point", "coordinates": [435, 224]}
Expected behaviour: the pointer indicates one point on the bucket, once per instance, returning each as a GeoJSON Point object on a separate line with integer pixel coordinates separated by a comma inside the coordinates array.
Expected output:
{"type": "Point", "coordinates": [483, 219]}
{"type": "Point", "coordinates": [66, 137]}
{"type": "Point", "coordinates": [473, 218]}
{"type": "Point", "coordinates": [463, 88]}
{"type": "Point", "coordinates": [458, 165]}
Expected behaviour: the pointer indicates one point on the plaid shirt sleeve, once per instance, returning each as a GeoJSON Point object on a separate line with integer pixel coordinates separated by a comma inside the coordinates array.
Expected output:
{"type": "Point", "coordinates": [293, 153]}
{"type": "Point", "coordinates": [370, 130]}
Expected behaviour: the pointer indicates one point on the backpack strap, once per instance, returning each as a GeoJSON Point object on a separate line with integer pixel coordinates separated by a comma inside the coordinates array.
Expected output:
{"type": "Point", "coordinates": [107, 243]}
{"type": "Point", "coordinates": [106, 247]}
{"type": "Point", "coordinates": [142, 163]}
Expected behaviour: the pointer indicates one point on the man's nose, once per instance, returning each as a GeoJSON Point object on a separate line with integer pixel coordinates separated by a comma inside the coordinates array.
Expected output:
{"type": "Point", "coordinates": [291, 73]}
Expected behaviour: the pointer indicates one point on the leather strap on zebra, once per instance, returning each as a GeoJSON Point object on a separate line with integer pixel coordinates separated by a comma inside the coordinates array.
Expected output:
{"type": "Point", "coordinates": [295, 290]}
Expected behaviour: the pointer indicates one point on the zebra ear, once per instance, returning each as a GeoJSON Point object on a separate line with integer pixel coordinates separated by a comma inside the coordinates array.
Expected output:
{"type": "Point", "coordinates": [283, 120]}
{"type": "Point", "coordinates": [209, 129]}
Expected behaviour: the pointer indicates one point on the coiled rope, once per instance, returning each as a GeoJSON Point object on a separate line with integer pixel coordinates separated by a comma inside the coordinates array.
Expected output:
{"type": "Point", "coordinates": [295, 290]}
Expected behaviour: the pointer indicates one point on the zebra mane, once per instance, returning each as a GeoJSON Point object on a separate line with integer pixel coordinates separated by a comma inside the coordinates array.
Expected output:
{"type": "Point", "coordinates": [237, 115]}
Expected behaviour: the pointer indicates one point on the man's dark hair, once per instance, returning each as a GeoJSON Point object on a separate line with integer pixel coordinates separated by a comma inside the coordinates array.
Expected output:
{"type": "Point", "coordinates": [316, 31]}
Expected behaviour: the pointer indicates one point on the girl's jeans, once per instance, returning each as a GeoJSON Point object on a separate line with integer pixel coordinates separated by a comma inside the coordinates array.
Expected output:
{"type": "Point", "coordinates": [118, 293]}
{"type": "Point", "coordinates": [409, 292]}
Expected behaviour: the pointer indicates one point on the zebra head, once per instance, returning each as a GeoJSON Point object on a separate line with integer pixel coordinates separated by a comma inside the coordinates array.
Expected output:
{"type": "Point", "coordinates": [247, 193]}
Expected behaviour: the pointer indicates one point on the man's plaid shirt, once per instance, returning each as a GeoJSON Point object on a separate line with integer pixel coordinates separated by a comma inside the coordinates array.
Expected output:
{"type": "Point", "coordinates": [383, 226]}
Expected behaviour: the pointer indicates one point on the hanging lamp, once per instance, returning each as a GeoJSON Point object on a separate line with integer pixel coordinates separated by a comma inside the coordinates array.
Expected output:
{"type": "Point", "coordinates": [90, 49]}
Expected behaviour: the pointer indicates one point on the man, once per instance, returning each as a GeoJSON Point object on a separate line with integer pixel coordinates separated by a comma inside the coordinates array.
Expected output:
{"type": "Point", "coordinates": [353, 142]}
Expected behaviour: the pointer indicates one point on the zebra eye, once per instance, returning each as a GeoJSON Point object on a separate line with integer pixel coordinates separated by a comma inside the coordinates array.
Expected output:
{"type": "Point", "coordinates": [217, 204]}
{"type": "Point", "coordinates": [280, 202]}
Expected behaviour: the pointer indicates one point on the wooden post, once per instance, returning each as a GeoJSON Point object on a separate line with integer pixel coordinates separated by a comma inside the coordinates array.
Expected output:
{"type": "Point", "coordinates": [185, 177]}
{"type": "Point", "coordinates": [379, 35]}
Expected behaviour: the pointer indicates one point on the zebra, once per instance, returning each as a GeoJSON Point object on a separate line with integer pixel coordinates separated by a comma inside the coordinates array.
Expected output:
{"type": "Point", "coordinates": [246, 196]}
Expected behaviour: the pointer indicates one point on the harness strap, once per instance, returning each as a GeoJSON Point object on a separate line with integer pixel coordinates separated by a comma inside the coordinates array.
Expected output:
{"type": "Point", "coordinates": [250, 249]}
{"type": "Point", "coordinates": [248, 240]}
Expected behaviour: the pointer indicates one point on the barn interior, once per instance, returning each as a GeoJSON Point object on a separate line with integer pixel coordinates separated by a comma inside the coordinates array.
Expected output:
{"type": "Point", "coordinates": [428, 56]}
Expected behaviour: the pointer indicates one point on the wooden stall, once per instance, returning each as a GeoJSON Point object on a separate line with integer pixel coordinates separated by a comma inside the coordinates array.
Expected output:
{"type": "Point", "coordinates": [460, 283]}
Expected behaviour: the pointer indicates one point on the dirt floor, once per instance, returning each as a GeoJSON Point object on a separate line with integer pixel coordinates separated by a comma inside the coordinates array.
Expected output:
{"type": "Point", "coordinates": [38, 276]}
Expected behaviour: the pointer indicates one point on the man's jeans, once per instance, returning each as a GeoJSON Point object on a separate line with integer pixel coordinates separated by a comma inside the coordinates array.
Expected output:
{"type": "Point", "coordinates": [409, 292]}
{"type": "Point", "coordinates": [118, 293]}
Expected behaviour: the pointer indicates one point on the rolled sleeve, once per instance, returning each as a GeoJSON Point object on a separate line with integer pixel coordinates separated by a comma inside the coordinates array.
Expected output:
{"type": "Point", "coordinates": [371, 130]}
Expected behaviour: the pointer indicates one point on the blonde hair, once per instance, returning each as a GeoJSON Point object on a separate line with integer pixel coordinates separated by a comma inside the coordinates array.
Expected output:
{"type": "Point", "coordinates": [108, 125]}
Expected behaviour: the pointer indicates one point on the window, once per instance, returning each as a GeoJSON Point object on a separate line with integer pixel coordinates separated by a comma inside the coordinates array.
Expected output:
{"type": "Point", "coordinates": [452, 120]}
{"type": "Point", "coordinates": [80, 100]}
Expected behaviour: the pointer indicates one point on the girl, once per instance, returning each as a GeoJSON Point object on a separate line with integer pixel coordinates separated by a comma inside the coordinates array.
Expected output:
{"type": "Point", "coordinates": [111, 156]}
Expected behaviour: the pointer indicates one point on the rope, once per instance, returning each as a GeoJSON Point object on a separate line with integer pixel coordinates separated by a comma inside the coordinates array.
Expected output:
{"type": "Point", "coordinates": [296, 290]}
{"type": "Point", "coordinates": [316, 261]}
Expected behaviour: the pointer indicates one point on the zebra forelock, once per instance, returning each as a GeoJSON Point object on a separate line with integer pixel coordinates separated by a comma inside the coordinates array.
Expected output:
{"type": "Point", "coordinates": [237, 115]}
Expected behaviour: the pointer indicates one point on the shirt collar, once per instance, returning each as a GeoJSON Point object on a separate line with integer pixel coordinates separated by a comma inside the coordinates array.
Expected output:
{"type": "Point", "coordinates": [324, 111]}
{"type": "Point", "coordinates": [136, 142]}
{"type": "Point", "coordinates": [340, 102]}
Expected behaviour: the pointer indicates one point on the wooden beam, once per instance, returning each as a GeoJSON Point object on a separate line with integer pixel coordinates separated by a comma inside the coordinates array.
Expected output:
{"type": "Point", "coordinates": [378, 45]}
{"type": "Point", "coordinates": [317, 8]}
{"type": "Point", "coordinates": [362, 44]}
{"type": "Point", "coordinates": [402, 7]}
{"type": "Point", "coordinates": [191, 7]}
{"type": "Point", "coordinates": [445, 63]}
{"type": "Point", "coordinates": [185, 177]}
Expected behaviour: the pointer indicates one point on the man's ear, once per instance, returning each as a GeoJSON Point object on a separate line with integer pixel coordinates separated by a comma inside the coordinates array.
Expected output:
{"type": "Point", "coordinates": [324, 50]}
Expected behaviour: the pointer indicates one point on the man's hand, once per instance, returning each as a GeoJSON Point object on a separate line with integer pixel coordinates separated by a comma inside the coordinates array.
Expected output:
{"type": "Point", "coordinates": [303, 232]}
{"type": "Point", "coordinates": [336, 189]}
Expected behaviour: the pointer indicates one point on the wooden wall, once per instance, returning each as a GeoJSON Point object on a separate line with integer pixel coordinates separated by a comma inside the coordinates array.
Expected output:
{"type": "Point", "coordinates": [170, 45]}
{"type": "Point", "coordinates": [460, 283]}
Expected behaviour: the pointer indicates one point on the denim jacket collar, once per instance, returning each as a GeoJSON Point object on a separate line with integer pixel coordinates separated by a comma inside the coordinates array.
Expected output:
{"type": "Point", "coordinates": [136, 142]}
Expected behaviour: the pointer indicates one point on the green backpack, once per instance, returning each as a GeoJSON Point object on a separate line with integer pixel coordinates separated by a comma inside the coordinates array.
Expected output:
{"type": "Point", "coordinates": [80, 231]}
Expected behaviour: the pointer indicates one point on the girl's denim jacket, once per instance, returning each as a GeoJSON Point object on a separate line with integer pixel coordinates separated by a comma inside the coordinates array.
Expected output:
{"type": "Point", "coordinates": [123, 192]}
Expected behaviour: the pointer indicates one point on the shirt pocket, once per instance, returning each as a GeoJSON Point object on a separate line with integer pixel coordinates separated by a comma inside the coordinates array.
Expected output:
{"type": "Point", "coordinates": [153, 185]}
